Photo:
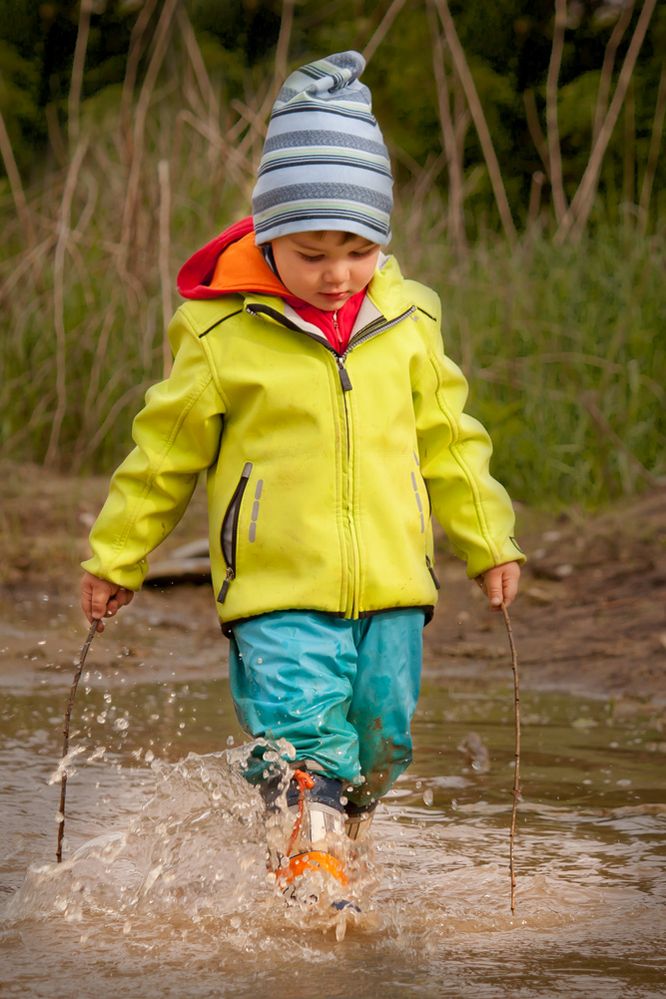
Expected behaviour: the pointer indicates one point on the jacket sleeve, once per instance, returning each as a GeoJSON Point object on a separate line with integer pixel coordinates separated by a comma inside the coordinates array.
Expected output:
{"type": "Point", "coordinates": [177, 435]}
{"type": "Point", "coordinates": [472, 507]}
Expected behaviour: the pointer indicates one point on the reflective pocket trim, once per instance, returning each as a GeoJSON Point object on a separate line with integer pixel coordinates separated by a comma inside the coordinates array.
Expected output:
{"type": "Point", "coordinates": [252, 530]}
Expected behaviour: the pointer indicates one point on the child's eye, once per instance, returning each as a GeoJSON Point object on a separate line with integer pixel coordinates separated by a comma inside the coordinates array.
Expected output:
{"type": "Point", "coordinates": [312, 260]}
{"type": "Point", "coordinates": [361, 253]}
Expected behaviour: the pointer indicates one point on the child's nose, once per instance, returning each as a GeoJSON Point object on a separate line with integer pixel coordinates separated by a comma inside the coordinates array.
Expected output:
{"type": "Point", "coordinates": [336, 272]}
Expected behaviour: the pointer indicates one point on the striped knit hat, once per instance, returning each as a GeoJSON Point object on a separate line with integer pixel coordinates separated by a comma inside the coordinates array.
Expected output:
{"type": "Point", "coordinates": [324, 164]}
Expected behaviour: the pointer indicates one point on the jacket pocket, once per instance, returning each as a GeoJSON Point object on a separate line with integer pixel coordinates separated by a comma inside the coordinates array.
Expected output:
{"type": "Point", "coordinates": [229, 530]}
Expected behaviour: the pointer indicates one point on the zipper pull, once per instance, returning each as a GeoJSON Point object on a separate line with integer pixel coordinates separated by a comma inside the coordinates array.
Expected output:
{"type": "Point", "coordinates": [229, 575]}
{"type": "Point", "coordinates": [345, 380]}
{"type": "Point", "coordinates": [431, 570]}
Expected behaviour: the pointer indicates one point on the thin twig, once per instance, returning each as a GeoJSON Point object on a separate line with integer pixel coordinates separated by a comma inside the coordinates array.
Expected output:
{"type": "Point", "coordinates": [65, 732]}
{"type": "Point", "coordinates": [516, 772]}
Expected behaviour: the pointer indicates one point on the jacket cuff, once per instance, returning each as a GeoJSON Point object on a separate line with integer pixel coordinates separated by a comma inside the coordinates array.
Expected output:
{"type": "Point", "coordinates": [507, 551]}
{"type": "Point", "coordinates": [131, 577]}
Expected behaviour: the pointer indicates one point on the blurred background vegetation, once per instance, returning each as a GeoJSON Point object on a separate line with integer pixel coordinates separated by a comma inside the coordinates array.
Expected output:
{"type": "Point", "coordinates": [526, 141]}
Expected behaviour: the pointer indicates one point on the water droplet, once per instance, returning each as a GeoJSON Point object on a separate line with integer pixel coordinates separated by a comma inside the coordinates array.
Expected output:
{"type": "Point", "coordinates": [428, 797]}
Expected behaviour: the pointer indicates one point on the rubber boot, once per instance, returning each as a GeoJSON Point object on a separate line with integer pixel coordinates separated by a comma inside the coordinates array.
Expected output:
{"type": "Point", "coordinates": [314, 837]}
{"type": "Point", "coordinates": [359, 820]}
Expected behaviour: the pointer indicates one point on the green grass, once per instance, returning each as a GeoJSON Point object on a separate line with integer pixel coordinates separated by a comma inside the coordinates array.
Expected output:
{"type": "Point", "coordinates": [565, 353]}
{"type": "Point", "coordinates": [563, 346]}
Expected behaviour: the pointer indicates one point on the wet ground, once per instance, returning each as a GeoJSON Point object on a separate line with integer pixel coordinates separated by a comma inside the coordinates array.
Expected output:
{"type": "Point", "coordinates": [163, 891]}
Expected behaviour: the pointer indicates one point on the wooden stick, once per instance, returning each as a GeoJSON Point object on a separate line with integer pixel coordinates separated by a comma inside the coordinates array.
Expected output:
{"type": "Point", "coordinates": [65, 732]}
{"type": "Point", "coordinates": [516, 772]}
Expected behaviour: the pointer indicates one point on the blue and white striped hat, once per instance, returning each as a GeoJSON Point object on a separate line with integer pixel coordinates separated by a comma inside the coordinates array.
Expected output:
{"type": "Point", "coordinates": [324, 164]}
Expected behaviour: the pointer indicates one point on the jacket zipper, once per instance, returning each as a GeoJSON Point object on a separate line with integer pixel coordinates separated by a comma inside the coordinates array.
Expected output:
{"type": "Point", "coordinates": [230, 519]}
{"type": "Point", "coordinates": [368, 332]}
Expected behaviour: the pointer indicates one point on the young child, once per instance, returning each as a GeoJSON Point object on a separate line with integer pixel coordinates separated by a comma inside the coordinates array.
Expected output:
{"type": "Point", "coordinates": [310, 383]}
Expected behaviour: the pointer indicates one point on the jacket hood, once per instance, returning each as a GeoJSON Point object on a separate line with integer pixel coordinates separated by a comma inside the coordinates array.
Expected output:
{"type": "Point", "coordinates": [227, 265]}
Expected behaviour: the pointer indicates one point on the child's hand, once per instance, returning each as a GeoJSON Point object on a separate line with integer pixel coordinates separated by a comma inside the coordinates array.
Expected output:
{"type": "Point", "coordinates": [100, 598]}
{"type": "Point", "coordinates": [500, 584]}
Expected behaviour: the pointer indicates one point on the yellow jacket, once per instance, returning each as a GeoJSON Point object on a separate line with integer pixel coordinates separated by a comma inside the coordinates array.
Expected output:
{"type": "Point", "coordinates": [322, 470]}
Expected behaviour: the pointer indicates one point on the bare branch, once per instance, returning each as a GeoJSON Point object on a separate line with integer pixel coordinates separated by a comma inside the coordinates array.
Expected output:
{"type": "Point", "coordinates": [534, 127]}
{"type": "Point", "coordinates": [456, 220]}
{"type": "Point", "coordinates": [653, 152]}
{"type": "Point", "coordinates": [133, 59]}
{"type": "Point", "coordinates": [162, 34]}
{"type": "Point", "coordinates": [552, 128]}
{"type": "Point", "coordinates": [284, 37]}
{"type": "Point", "coordinates": [59, 301]}
{"type": "Point", "coordinates": [608, 66]}
{"type": "Point", "coordinates": [382, 29]}
{"type": "Point", "coordinates": [16, 187]}
{"type": "Point", "coordinates": [575, 219]}
{"type": "Point", "coordinates": [78, 63]}
{"type": "Point", "coordinates": [476, 110]}
{"type": "Point", "coordinates": [164, 253]}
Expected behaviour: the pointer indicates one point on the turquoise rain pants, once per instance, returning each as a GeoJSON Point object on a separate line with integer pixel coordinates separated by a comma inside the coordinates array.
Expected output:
{"type": "Point", "coordinates": [342, 692]}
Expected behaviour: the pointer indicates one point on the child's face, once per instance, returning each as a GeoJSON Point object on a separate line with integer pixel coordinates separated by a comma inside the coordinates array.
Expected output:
{"type": "Point", "coordinates": [325, 268]}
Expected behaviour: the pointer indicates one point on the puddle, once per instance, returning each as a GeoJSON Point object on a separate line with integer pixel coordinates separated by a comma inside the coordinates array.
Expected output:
{"type": "Point", "coordinates": [164, 893]}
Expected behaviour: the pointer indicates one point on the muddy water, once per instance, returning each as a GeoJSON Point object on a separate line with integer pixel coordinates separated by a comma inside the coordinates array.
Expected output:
{"type": "Point", "coordinates": [164, 892]}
